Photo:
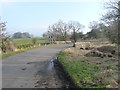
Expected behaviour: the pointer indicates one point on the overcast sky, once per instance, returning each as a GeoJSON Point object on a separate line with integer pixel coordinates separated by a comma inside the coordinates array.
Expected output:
{"type": "Point", "coordinates": [35, 17]}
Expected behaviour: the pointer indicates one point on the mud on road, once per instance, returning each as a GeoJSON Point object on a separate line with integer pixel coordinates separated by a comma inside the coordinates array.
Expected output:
{"type": "Point", "coordinates": [49, 76]}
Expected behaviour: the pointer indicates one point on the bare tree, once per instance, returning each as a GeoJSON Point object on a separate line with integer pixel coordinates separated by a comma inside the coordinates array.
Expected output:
{"type": "Point", "coordinates": [114, 10]}
{"type": "Point", "coordinates": [75, 27]}
{"type": "Point", "coordinates": [59, 30]}
{"type": "Point", "coordinates": [6, 43]}
{"type": "Point", "coordinates": [93, 25]}
{"type": "Point", "coordinates": [113, 15]}
{"type": "Point", "coordinates": [97, 30]}
{"type": "Point", "coordinates": [4, 38]}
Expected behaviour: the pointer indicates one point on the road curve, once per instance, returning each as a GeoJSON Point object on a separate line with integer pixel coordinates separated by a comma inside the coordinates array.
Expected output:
{"type": "Point", "coordinates": [31, 69]}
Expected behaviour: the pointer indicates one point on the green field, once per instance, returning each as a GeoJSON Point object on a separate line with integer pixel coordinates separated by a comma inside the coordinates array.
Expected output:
{"type": "Point", "coordinates": [25, 44]}
{"type": "Point", "coordinates": [27, 41]}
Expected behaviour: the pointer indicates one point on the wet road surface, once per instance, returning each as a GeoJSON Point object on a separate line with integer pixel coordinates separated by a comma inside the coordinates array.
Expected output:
{"type": "Point", "coordinates": [32, 69]}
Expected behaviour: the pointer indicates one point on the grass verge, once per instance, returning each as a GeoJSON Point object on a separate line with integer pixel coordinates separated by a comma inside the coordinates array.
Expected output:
{"type": "Point", "coordinates": [88, 74]}
{"type": "Point", "coordinates": [5, 55]}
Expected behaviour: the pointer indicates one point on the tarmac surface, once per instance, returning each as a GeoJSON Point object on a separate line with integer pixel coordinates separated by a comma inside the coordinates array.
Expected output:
{"type": "Point", "coordinates": [32, 69]}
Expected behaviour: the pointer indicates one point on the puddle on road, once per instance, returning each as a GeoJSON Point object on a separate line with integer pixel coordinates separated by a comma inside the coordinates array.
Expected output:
{"type": "Point", "coordinates": [51, 76]}
{"type": "Point", "coordinates": [50, 65]}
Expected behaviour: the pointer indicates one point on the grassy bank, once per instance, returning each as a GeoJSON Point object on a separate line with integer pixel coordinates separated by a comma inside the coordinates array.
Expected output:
{"type": "Point", "coordinates": [24, 44]}
{"type": "Point", "coordinates": [10, 53]}
{"type": "Point", "coordinates": [5, 55]}
{"type": "Point", "coordinates": [89, 72]}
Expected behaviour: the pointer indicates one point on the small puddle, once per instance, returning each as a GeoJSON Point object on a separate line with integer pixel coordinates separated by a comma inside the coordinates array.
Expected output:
{"type": "Point", "coordinates": [50, 65]}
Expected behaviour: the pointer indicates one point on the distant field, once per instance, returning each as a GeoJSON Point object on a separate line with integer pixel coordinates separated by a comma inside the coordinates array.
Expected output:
{"type": "Point", "coordinates": [26, 41]}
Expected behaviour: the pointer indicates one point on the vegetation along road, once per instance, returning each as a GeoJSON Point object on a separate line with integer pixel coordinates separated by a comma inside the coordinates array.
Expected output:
{"type": "Point", "coordinates": [33, 68]}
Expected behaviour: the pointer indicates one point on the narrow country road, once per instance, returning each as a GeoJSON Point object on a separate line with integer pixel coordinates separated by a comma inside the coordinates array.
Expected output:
{"type": "Point", "coordinates": [32, 69]}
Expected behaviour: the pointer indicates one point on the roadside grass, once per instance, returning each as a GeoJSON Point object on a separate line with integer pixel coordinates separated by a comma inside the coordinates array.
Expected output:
{"type": "Point", "coordinates": [5, 55]}
{"type": "Point", "coordinates": [10, 53]}
{"type": "Point", "coordinates": [89, 72]}
{"type": "Point", "coordinates": [24, 44]}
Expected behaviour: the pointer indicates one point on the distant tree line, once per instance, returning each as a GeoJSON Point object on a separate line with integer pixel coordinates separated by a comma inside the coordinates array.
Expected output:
{"type": "Point", "coordinates": [73, 31]}
{"type": "Point", "coordinates": [22, 35]}
{"type": "Point", "coordinates": [65, 31]}
{"type": "Point", "coordinates": [107, 27]}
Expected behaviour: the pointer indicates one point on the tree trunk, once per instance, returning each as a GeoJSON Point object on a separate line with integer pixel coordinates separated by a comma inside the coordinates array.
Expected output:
{"type": "Point", "coordinates": [74, 38]}
{"type": "Point", "coordinates": [65, 36]}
